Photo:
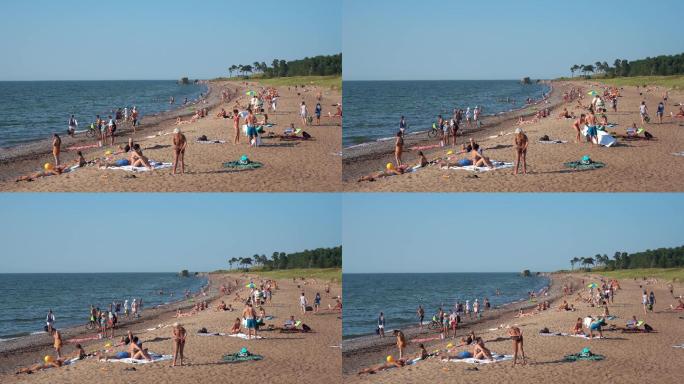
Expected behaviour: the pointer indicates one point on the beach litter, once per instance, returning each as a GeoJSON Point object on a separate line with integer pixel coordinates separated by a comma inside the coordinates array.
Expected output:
{"type": "Point", "coordinates": [155, 359]}
{"type": "Point", "coordinates": [129, 168]}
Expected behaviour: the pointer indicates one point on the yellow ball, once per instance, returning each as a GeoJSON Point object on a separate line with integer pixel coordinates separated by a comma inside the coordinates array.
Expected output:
{"type": "Point", "coordinates": [48, 359]}
{"type": "Point", "coordinates": [108, 345]}
{"type": "Point", "coordinates": [390, 358]}
{"type": "Point", "coordinates": [450, 345]}
{"type": "Point", "coordinates": [48, 166]}
{"type": "Point", "coordinates": [389, 166]}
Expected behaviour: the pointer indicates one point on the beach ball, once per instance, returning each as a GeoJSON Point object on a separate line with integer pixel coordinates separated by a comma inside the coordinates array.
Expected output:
{"type": "Point", "coordinates": [390, 359]}
{"type": "Point", "coordinates": [48, 166]}
{"type": "Point", "coordinates": [389, 166]}
{"type": "Point", "coordinates": [48, 359]}
{"type": "Point", "coordinates": [243, 350]}
{"type": "Point", "coordinates": [108, 153]}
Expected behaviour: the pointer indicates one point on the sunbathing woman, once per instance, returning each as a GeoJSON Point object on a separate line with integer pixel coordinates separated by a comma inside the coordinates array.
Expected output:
{"type": "Point", "coordinates": [516, 335]}
{"type": "Point", "coordinates": [480, 352]}
{"type": "Point", "coordinates": [137, 159]}
{"type": "Point", "coordinates": [37, 367]}
{"type": "Point", "coordinates": [479, 160]}
{"type": "Point", "coordinates": [565, 114]}
{"type": "Point", "coordinates": [58, 170]}
{"type": "Point", "coordinates": [381, 367]}
{"type": "Point", "coordinates": [136, 350]}
{"type": "Point", "coordinates": [390, 171]}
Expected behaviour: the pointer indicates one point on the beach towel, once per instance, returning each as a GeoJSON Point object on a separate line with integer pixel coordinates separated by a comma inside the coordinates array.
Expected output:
{"type": "Point", "coordinates": [82, 339]}
{"type": "Point", "coordinates": [580, 356]}
{"type": "Point", "coordinates": [426, 339]}
{"type": "Point", "coordinates": [582, 336]}
{"type": "Point", "coordinates": [424, 147]}
{"type": "Point", "coordinates": [155, 359]}
{"type": "Point", "coordinates": [210, 141]}
{"type": "Point", "coordinates": [243, 336]}
{"type": "Point", "coordinates": [678, 346]}
{"type": "Point", "coordinates": [605, 139]}
{"type": "Point", "coordinates": [471, 168]}
{"type": "Point", "coordinates": [679, 153]}
{"type": "Point", "coordinates": [552, 141]}
{"type": "Point", "coordinates": [240, 357]}
{"type": "Point", "coordinates": [239, 165]}
{"type": "Point", "coordinates": [155, 166]}
{"type": "Point", "coordinates": [497, 359]}
{"type": "Point", "coordinates": [578, 165]}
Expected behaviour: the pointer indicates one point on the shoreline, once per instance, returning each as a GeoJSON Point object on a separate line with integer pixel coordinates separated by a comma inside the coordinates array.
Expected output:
{"type": "Point", "coordinates": [361, 159]}
{"type": "Point", "coordinates": [368, 350]}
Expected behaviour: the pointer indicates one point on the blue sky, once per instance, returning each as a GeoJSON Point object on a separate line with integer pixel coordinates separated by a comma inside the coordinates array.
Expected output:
{"type": "Point", "coordinates": [149, 40]}
{"type": "Point", "coordinates": [121, 232]}
{"type": "Point", "coordinates": [508, 232]}
{"type": "Point", "coordinates": [501, 39]}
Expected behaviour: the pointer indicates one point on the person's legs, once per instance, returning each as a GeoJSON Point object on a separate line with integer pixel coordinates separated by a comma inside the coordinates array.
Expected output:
{"type": "Point", "coordinates": [175, 352]}
{"type": "Point", "coordinates": [524, 161]}
{"type": "Point", "coordinates": [182, 161]}
{"type": "Point", "coordinates": [176, 153]}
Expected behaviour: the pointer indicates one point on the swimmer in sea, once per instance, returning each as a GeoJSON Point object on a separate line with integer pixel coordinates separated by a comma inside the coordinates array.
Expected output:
{"type": "Point", "coordinates": [56, 147]}
{"type": "Point", "coordinates": [179, 145]}
{"type": "Point", "coordinates": [398, 148]}
{"type": "Point", "coordinates": [577, 125]}
{"type": "Point", "coordinates": [178, 335]}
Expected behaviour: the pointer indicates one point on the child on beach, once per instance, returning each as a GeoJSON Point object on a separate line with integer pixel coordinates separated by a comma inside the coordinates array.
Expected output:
{"type": "Point", "coordinates": [521, 142]}
{"type": "Point", "coordinates": [398, 148]}
{"type": "Point", "coordinates": [401, 342]}
{"type": "Point", "coordinates": [179, 145]}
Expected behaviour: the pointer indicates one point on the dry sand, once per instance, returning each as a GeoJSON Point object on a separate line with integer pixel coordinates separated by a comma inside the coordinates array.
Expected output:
{"type": "Point", "coordinates": [630, 358]}
{"type": "Point", "coordinates": [302, 166]}
{"type": "Point", "coordinates": [631, 166]}
{"type": "Point", "coordinates": [288, 358]}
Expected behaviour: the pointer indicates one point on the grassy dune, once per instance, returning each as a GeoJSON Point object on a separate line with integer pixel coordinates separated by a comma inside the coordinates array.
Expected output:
{"type": "Point", "coordinates": [667, 274]}
{"type": "Point", "coordinates": [321, 81]}
{"type": "Point", "coordinates": [673, 82]}
{"type": "Point", "coordinates": [330, 274]}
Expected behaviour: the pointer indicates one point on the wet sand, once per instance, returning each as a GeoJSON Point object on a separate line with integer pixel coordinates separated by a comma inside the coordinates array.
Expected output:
{"type": "Point", "coordinates": [312, 166]}
{"type": "Point", "coordinates": [630, 358]}
{"type": "Point", "coordinates": [631, 166]}
{"type": "Point", "coordinates": [288, 358]}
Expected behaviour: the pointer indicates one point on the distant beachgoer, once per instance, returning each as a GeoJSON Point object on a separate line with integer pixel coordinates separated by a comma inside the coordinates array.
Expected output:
{"type": "Point", "coordinates": [50, 320]}
{"type": "Point", "coordinates": [180, 143]}
{"type": "Point", "coordinates": [303, 303]}
{"type": "Point", "coordinates": [57, 342]}
{"type": "Point", "coordinates": [398, 148]}
{"type": "Point", "coordinates": [516, 335]}
{"type": "Point", "coordinates": [578, 125]}
{"type": "Point", "coordinates": [467, 116]}
{"type": "Point", "coordinates": [125, 114]}
{"type": "Point", "coordinates": [381, 325]}
{"type": "Point", "coordinates": [421, 315]}
{"type": "Point", "coordinates": [56, 147]}
{"type": "Point", "coordinates": [73, 125]}
{"type": "Point", "coordinates": [178, 333]}
{"type": "Point", "coordinates": [252, 134]}
{"type": "Point", "coordinates": [317, 112]}
{"type": "Point", "coordinates": [111, 126]}
{"type": "Point", "coordinates": [651, 301]}
{"type": "Point", "coordinates": [401, 342]}
{"type": "Point", "coordinates": [317, 302]}
{"type": "Point", "coordinates": [521, 142]}
{"type": "Point", "coordinates": [402, 125]}
{"type": "Point", "coordinates": [303, 113]}
{"type": "Point", "coordinates": [134, 117]}
{"type": "Point", "coordinates": [660, 111]}
{"type": "Point", "coordinates": [250, 320]}
{"type": "Point", "coordinates": [236, 126]}
{"type": "Point", "coordinates": [643, 112]}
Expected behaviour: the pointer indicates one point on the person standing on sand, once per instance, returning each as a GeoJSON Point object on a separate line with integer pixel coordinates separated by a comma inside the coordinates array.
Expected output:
{"type": "Point", "coordinates": [644, 300]}
{"type": "Point", "coordinates": [516, 335]}
{"type": "Point", "coordinates": [303, 113]}
{"type": "Point", "coordinates": [50, 320]}
{"type": "Point", "coordinates": [660, 111]}
{"type": "Point", "coordinates": [303, 303]}
{"type": "Point", "coordinates": [179, 145]}
{"type": "Point", "coordinates": [56, 147]}
{"type": "Point", "coordinates": [521, 142]}
{"type": "Point", "coordinates": [401, 342]}
{"type": "Point", "coordinates": [236, 126]}
{"type": "Point", "coordinates": [651, 301]}
{"type": "Point", "coordinates": [643, 112]}
{"type": "Point", "coordinates": [178, 333]}
{"type": "Point", "coordinates": [250, 320]}
{"type": "Point", "coordinates": [317, 112]}
{"type": "Point", "coordinates": [467, 117]}
{"type": "Point", "coordinates": [421, 315]}
{"type": "Point", "coordinates": [577, 125]}
{"type": "Point", "coordinates": [381, 324]}
{"type": "Point", "coordinates": [398, 148]}
{"type": "Point", "coordinates": [134, 117]}
{"type": "Point", "coordinates": [250, 120]}
{"type": "Point", "coordinates": [402, 125]}
{"type": "Point", "coordinates": [111, 126]}
{"type": "Point", "coordinates": [57, 342]}
{"type": "Point", "coordinates": [317, 302]}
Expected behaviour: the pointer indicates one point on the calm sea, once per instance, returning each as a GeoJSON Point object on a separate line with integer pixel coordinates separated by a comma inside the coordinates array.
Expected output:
{"type": "Point", "coordinates": [33, 110]}
{"type": "Point", "coordinates": [399, 294]}
{"type": "Point", "coordinates": [373, 108]}
{"type": "Point", "coordinates": [27, 298]}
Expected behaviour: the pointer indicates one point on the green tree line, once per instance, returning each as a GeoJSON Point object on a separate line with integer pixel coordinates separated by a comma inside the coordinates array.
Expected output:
{"type": "Point", "coordinates": [309, 66]}
{"type": "Point", "coordinates": [657, 258]}
{"type": "Point", "coordinates": [664, 65]}
{"type": "Point", "coordinates": [315, 258]}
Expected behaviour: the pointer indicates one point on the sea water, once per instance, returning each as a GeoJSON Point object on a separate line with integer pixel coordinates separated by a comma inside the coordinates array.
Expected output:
{"type": "Point", "coordinates": [27, 297]}
{"type": "Point", "coordinates": [34, 110]}
{"type": "Point", "coordinates": [398, 295]}
{"type": "Point", "coordinates": [372, 109]}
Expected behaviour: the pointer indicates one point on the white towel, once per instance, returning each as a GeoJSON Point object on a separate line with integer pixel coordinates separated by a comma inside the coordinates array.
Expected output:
{"type": "Point", "coordinates": [552, 141]}
{"type": "Point", "coordinates": [243, 336]}
{"type": "Point", "coordinates": [497, 359]}
{"type": "Point", "coordinates": [155, 358]}
{"type": "Point", "coordinates": [679, 153]}
{"type": "Point", "coordinates": [472, 168]}
{"type": "Point", "coordinates": [155, 166]}
{"type": "Point", "coordinates": [211, 334]}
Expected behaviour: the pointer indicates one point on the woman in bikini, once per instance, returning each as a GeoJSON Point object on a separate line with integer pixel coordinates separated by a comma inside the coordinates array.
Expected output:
{"type": "Point", "coordinates": [516, 335]}
{"type": "Point", "coordinates": [480, 352]}
{"type": "Point", "coordinates": [521, 142]}
{"type": "Point", "coordinates": [577, 125]}
{"type": "Point", "coordinates": [137, 159]}
{"type": "Point", "coordinates": [398, 148]}
{"type": "Point", "coordinates": [179, 145]}
{"type": "Point", "coordinates": [56, 147]}
{"type": "Point", "coordinates": [479, 160]}
{"type": "Point", "coordinates": [178, 334]}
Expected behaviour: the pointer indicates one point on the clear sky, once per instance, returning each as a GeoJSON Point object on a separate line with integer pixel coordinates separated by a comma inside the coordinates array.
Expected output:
{"type": "Point", "coordinates": [167, 232]}
{"type": "Point", "coordinates": [501, 39]}
{"type": "Point", "coordinates": [150, 40]}
{"type": "Point", "coordinates": [510, 232]}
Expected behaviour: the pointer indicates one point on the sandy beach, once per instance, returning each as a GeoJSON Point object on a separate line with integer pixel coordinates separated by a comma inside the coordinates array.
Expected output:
{"type": "Point", "coordinates": [312, 165]}
{"type": "Point", "coordinates": [629, 358]}
{"type": "Point", "coordinates": [288, 358]}
{"type": "Point", "coordinates": [631, 165]}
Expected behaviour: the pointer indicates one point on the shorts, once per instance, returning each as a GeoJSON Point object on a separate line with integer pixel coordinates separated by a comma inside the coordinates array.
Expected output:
{"type": "Point", "coordinates": [250, 324]}
{"type": "Point", "coordinates": [251, 131]}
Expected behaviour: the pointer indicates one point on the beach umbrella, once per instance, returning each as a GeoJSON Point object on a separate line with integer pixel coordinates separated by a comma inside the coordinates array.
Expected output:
{"type": "Point", "coordinates": [250, 285]}
{"type": "Point", "coordinates": [592, 92]}
{"type": "Point", "coordinates": [592, 285]}
{"type": "Point", "coordinates": [250, 93]}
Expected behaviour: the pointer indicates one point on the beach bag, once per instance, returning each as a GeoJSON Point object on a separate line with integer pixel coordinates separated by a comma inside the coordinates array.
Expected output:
{"type": "Point", "coordinates": [309, 308]}
{"type": "Point", "coordinates": [202, 138]}
{"type": "Point", "coordinates": [544, 138]}
{"type": "Point", "coordinates": [306, 328]}
{"type": "Point", "coordinates": [544, 330]}
{"type": "Point", "coordinates": [305, 135]}
{"type": "Point", "coordinates": [202, 330]}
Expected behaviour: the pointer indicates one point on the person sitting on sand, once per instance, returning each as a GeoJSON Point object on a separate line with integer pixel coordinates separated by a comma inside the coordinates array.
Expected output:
{"type": "Point", "coordinates": [578, 329]}
{"type": "Point", "coordinates": [40, 366]}
{"type": "Point", "coordinates": [681, 112]}
{"type": "Point", "coordinates": [564, 306]}
{"type": "Point", "coordinates": [423, 161]}
{"type": "Point", "coordinates": [480, 352]}
{"type": "Point", "coordinates": [178, 333]}
{"type": "Point", "coordinates": [236, 328]}
{"type": "Point", "coordinates": [401, 342]}
{"type": "Point", "coordinates": [180, 143]}
{"type": "Point", "coordinates": [565, 114]}
{"type": "Point", "coordinates": [137, 159]}
{"type": "Point", "coordinates": [578, 125]}
{"type": "Point", "coordinates": [223, 114]}
{"type": "Point", "coordinates": [680, 305]}
{"type": "Point", "coordinates": [80, 353]}
{"type": "Point", "coordinates": [390, 171]}
{"type": "Point", "coordinates": [521, 142]}
{"type": "Point", "coordinates": [478, 159]}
